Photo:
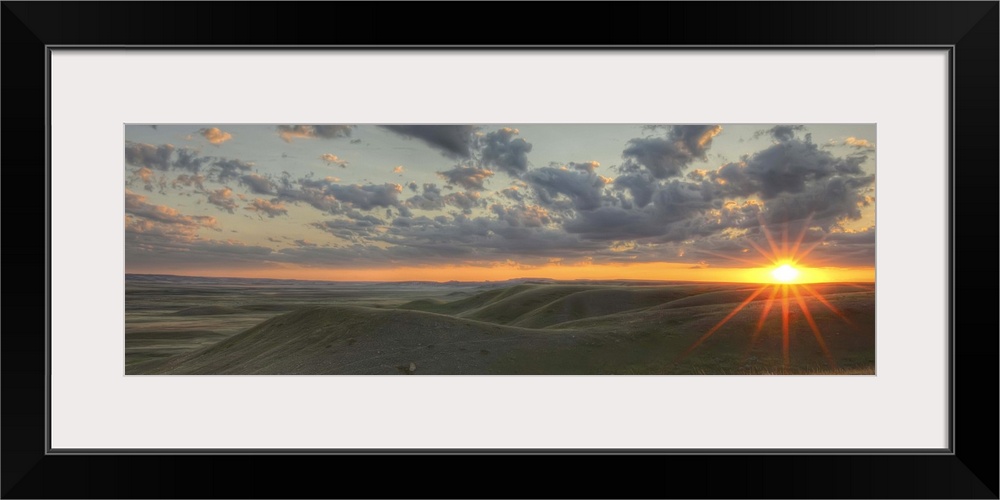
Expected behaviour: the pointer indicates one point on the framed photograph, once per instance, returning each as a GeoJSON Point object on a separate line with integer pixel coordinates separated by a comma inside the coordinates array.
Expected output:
{"type": "Point", "coordinates": [739, 255]}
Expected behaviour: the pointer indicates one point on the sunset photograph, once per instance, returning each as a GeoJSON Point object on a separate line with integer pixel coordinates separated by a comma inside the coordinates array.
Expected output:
{"type": "Point", "coordinates": [499, 249]}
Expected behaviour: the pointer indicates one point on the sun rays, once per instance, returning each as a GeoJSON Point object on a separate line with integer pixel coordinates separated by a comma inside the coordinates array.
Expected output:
{"type": "Point", "coordinates": [784, 289]}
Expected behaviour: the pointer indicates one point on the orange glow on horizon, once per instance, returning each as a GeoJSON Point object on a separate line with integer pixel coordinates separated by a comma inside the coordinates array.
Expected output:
{"type": "Point", "coordinates": [790, 281]}
{"type": "Point", "coordinates": [654, 271]}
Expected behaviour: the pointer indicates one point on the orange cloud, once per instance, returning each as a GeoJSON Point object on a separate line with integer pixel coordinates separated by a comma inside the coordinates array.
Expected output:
{"type": "Point", "coordinates": [333, 159]}
{"type": "Point", "coordinates": [858, 143]}
{"type": "Point", "coordinates": [214, 135]}
{"type": "Point", "coordinates": [260, 205]}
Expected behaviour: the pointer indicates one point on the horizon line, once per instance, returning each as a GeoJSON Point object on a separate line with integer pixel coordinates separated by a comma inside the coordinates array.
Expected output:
{"type": "Point", "coordinates": [459, 281]}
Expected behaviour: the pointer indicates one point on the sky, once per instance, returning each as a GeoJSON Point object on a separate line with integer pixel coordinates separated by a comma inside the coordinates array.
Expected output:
{"type": "Point", "coordinates": [490, 202]}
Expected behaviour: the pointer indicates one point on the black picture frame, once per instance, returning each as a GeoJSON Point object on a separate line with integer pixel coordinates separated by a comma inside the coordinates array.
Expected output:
{"type": "Point", "coordinates": [969, 31]}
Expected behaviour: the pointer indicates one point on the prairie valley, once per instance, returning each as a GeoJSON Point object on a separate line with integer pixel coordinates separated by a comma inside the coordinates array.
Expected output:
{"type": "Point", "coordinates": [185, 325]}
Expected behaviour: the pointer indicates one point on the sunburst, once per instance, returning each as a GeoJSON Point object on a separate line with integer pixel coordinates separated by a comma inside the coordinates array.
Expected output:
{"type": "Point", "coordinates": [786, 262]}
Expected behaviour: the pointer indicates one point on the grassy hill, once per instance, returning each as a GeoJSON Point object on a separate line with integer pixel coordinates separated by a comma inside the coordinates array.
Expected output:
{"type": "Point", "coordinates": [545, 329]}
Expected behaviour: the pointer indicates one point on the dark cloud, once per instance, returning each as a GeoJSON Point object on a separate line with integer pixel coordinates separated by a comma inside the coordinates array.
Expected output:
{"type": "Point", "coordinates": [786, 167]}
{"type": "Point", "coordinates": [667, 156]}
{"type": "Point", "coordinates": [470, 178]}
{"type": "Point", "coordinates": [830, 199]}
{"type": "Point", "coordinates": [430, 199]}
{"type": "Point", "coordinates": [189, 181]}
{"type": "Point", "coordinates": [258, 184]}
{"type": "Point", "coordinates": [309, 191]}
{"type": "Point", "coordinates": [613, 223]}
{"type": "Point", "coordinates": [780, 133]}
{"type": "Point", "coordinates": [148, 155]}
{"type": "Point", "coordinates": [356, 227]}
{"type": "Point", "coordinates": [367, 197]}
{"type": "Point", "coordinates": [188, 159]}
{"type": "Point", "coordinates": [231, 169]}
{"type": "Point", "coordinates": [513, 193]}
{"type": "Point", "coordinates": [504, 151]}
{"type": "Point", "coordinates": [583, 189]}
{"type": "Point", "coordinates": [455, 141]}
{"type": "Point", "coordinates": [481, 238]}
{"type": "Point", "coordinates": [413, 186]}
{"type": "Point", "coordinates": [679, 200]}
{"type": "Point", "coordinates": [641, 185]}
{"type": "Point", "coordinates": [290, 132]}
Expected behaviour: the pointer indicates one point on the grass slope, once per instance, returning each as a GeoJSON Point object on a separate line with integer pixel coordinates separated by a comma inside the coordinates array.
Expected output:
{"type": "Point", "coordinates": [549, 329]}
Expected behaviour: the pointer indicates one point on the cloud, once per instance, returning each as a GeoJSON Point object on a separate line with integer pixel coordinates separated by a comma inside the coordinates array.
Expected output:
{"type": "Point", "coordinates": [455, 141]}
{"type": "Point", "coordinates": [231, 169]}
{"type": "Point", "coordinates": [326, 195]}
{"type": "Point", "coordinates": [679, 200]}
{"type": "Point", "coordinates": [162, 157]}
{"type": "Point", "coordinates": [188, 181]}
{"type": "Point", "coordinates": [830, 199]}
{"type": "Point", "coordinates": [587, 166]}
{"type": "Point", "coordinates": [369, 196]}
{"type": "Point", "coordinates": [290, 132]}
{"type": "Point", "coordinates": [466, 201]}
{"type": "Point", "coordinates": [520, 215]}
{"type": "Point", "coordinates": [658, 208]}
{"type": "Point", "coordinates": [471, 178]}
{"type": "Point", "coordinates": [148, 155]}
{"type": "Point", "coordinates": [665, 157]}
{"type": "Point", "coordinates": [356, 227]}
{"type": "Point", "coordinates": [785, 167]}
{"type": "Point", "coordinates": [166, 246]}
{"type": "Point", "coordinates": [333, 159]}
{"type": "Point", "coordinates": [857, 143]}
{"type": "Point", "coordinates": [188, 159]}
{"type": "Point", "coordinates": [780, 133]}
{"type": "Point", "coordinates": [584, 189]}
{"type": "Point", "coordinates": [507, 153]}
{"type": "Point", "coordinates": [223, 198]}
{"type": "Point", "coordinates": [270, 208]}
{"type": "Point", "coordinates": [214, 135]}
{"type": "Point", "coordinates": [137, 206]}
{"type": "Point", "coordinates": [513, 193]}
{"type": "Point", "coordinates": [430, 199]}
{"type": "Point", "coordinates": [613, 223]}
{"type": "Point", "coordinates": [146, 176]}
{"type": "Point", "coordinates": [641, 185]}
{"type": "Point", "coordinates": [258, 184]}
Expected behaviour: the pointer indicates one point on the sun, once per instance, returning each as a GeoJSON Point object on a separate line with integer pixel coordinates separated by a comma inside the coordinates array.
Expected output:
{"type": "Point", "coordinates": [787, 287]}
{"type": "Point", "coordinates": [785, 273]}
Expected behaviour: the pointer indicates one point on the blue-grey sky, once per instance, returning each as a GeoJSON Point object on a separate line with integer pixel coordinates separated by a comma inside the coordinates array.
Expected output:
{"type": "Point", "coordinates": [493, 201]}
